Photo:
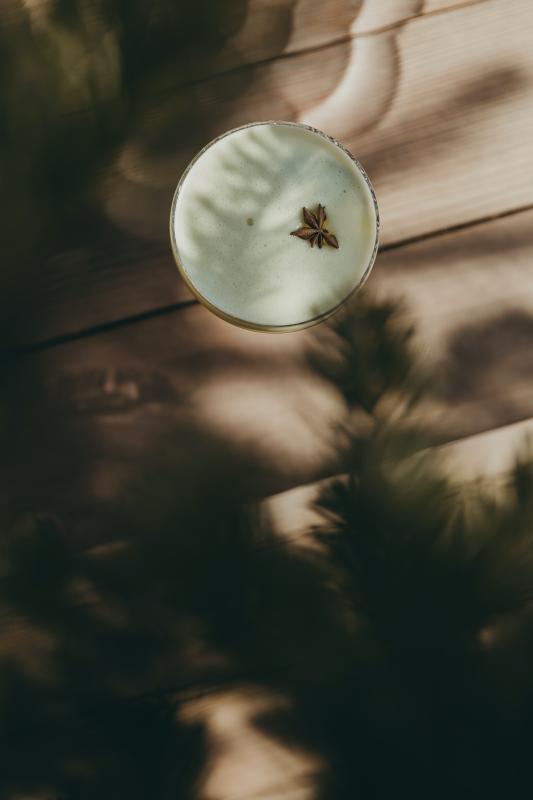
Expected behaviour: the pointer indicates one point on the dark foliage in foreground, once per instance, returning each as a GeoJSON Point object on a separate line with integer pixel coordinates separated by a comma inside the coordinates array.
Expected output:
{"type": "Point", "coordinates": [404, 641]}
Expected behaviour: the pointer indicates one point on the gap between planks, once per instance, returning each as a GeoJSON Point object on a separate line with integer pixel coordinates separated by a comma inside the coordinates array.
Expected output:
{"type": "Point", "coordinates": [160, 311]}
{"type": "Point", "coordinates": [329, 44]}
{"type": "Point", "coordinates": [305, 50]}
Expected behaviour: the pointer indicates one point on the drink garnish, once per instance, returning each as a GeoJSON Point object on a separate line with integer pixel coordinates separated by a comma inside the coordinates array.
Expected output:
{"type": "Point", "coordinates": [314, 231]}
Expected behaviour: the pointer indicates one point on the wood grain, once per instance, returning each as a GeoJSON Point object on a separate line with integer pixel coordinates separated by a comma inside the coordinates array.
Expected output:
{"type": "Point", "coordinates": [483, 461]}
{"type": "Point", "coordinates": [453, 146]}
{"type": "Point", "coordinates": [377, 17]}
{"type": "Point", "coordinates": [274, 27]}
{"type": "Point", "coordinates": [87, 422]}
{"type": "Point", "coordinates": [451, 115]}
{"type": "Point", "coordinates": [471, 297]}
{"type": "Point", "coordinates": [432, 6]}
{"type": "Point", "coordinates": [102, 412]}
{"type": "Point", "coordinates": [488, 457]}
{"type": "Point", "coordinates": [482, 328]}
{"type": "Point", "coordinates": [448, 141]}
{"type": "Point", "coordinates": [236, 397]}
{"type": "Point", "coordinates": [470, 294]}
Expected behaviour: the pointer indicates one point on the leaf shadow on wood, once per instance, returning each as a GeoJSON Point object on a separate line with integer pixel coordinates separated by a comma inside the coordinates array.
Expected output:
{"type": "Point", "coordinates": [76, 85]}
{"type": "Point", "coordinates": [493, 238]}
{"type": "Point", "coordinates": [77, 432]}
{"type": "Point", "coordinates": [494, 87]}
{"type": "Point", "coordinates": [393, 640]}
{"type": "Point", "coordinates": [99, 643]}
{"type": "Point", "coordinates": [482, 358]}
{"type": "Point", "coordinates": [441, 602]}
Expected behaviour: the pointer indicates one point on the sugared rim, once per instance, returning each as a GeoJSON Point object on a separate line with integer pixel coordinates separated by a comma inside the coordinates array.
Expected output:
{"type": "Point", "coordinates": [242, 323]}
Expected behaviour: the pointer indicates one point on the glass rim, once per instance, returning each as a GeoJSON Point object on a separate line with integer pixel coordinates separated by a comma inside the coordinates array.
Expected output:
{"type": "Point", "coordinates": [241, 323]}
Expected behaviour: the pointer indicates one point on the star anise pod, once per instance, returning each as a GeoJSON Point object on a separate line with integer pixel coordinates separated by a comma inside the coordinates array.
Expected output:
{"type": "Point", "coordinates": [313, 231]}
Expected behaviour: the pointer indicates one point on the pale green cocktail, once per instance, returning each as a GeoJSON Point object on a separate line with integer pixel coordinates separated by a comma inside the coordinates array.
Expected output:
{"type": "Point", "coordinates": [237, 205]}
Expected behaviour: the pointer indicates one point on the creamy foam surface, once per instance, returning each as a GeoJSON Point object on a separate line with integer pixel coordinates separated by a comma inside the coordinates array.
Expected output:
{"type": "Point", "coordinates": [235, 209]}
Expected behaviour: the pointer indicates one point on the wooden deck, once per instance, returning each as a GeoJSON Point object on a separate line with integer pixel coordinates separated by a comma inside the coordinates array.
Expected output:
{"type": "Point", "coordinates": [107, 354]}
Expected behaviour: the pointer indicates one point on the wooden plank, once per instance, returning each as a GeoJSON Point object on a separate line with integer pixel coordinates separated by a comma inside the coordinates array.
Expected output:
{"type": "Point", "coordinates": [374, 17]}
{"type": "Point", "coordinates": [273, 27]}
{"type": "Point", "coordinates": [269, 28]}
{"type": "Point", "coordinates": [445, 151]}
{"type": "Point", "coordinates": [249, 402]}
{"type": "Point", "coordinates": [442, 120]}
{"type": "Point", "coordinates": [274, 765]}
{"type": "Point", "coordinates": [470, 294]}
{"type": "Point", "coordinates": [112, 278]}
{"type": "Point", "coordinates": [458, 120]}
{"type": "Point", "coordinates": [91, 415]}
{"type": "Point", "coordinates": [246, 761]}
{"type": "Point", "coordinates": [481, 460]}
{"type": "Point", "coordinates": [488, 457]}
{"type": "Point", "coordinates": [314, 25]}
{"type": "Point", "coordinates": [433, 6]}
{"type": "Point", "coordinates": [439, 121]}
{"type": "Point", "coordinates": [265, 28]}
